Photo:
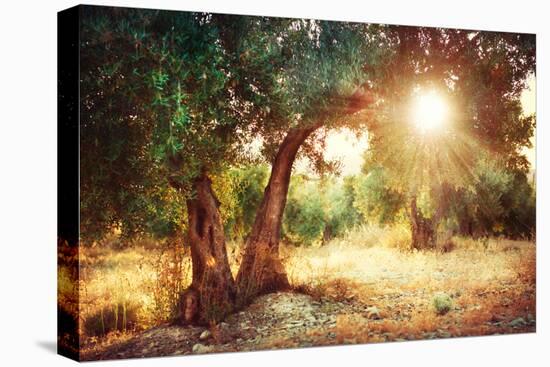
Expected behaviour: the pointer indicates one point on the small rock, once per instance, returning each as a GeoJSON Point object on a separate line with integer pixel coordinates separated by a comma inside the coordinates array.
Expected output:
{"type": "Point", "coordinates": [430, 335]}
{"type": "Point", "coordinates": [373, 313]}
{"type": "Point", "coordinates": [205, 335]}
{"type": "Point", "coordinates": [295, 324]}
{"type": "Point", "coordinates": [201, 348]}
{"type": "Point", "coordinates": [444, 334]}
{"type": "Point", "coordinates": [520, 321]}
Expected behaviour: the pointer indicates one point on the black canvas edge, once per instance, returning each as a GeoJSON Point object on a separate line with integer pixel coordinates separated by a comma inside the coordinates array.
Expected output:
{"type": "Point", "coordinates": [68, 203]}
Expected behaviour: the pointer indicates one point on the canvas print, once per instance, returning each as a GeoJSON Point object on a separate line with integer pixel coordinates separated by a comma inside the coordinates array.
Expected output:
{"type": "Point", "coordinates": [237, 183]}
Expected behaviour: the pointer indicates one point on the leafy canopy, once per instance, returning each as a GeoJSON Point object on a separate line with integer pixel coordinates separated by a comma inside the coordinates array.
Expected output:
{"type": "Point", "coordinates": [168, 95]}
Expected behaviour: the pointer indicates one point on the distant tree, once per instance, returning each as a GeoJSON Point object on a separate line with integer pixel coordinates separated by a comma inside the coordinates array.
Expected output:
{"type": "Point", "coordinates": [483, 74]}
{"type": "Point", "coordinates": [341, 214]}
{"type": "Point", "coordinates": [498, 202]}
{"type": "Point", "coordinates": [242, 188]}
{"type": "Point", "coordinates": [319, 209]}
{"type": "Point", "coordinates": [375, 199]}
{"type": "Point", "coordinates": [305, 216]}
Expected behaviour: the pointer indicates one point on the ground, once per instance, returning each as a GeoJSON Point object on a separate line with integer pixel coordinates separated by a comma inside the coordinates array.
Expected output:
{"type": "Point", "coordinates": [345, 293]}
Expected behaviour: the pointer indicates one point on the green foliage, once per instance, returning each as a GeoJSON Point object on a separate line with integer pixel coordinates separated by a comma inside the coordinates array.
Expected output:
{"type": "Point", "coordinates": [319, 209]}
{"type": "Point", "coordinates": [499, 202]}
{"type": "Point", "coordinates": [376, 199]}
{"type": "Point", "coordinates": [442, 303]}
{"type": "Point", "coordinates": [304, 216]}
{"type": "Point", "coordinates": [240, 191]}
{"type": "Point", "coordinates": [301, 72]}
{"type": "Point", "coordinates": [489, 185]}
{"type": "Point", "coordinates": [168, 95]}
{"type": "Point", "coordinates": [520, 219]}
{"type": "Point", "coordinates": [146, 76]}
{"type": "Point", "coordinates": [341, 214]}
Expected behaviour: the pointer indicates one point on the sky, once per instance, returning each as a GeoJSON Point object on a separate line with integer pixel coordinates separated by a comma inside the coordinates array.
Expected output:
{"type": "Point", "coordinates": [346, 147]}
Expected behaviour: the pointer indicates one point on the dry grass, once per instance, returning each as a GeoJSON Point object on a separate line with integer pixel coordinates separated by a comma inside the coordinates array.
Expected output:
{"type": "Point", "coordinates": [490, 283]}
{"type": "Point", "coordinates": [122, 291]}
{"type": "Point", "coordinates": [125, 290]}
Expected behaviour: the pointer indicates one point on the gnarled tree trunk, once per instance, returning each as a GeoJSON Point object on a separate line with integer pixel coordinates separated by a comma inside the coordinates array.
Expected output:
{"type": "Point", "coordinates": [211, 295]}
{"type": "Point", "coordinates": [423, 230]}
{"type": "Point", "coordinates": [261, 269]}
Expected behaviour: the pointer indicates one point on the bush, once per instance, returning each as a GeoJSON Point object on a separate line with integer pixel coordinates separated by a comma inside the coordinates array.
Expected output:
{"type": "Point", "coordinates": [442, 303]}
{"type": "Point", "coordinates": [305, 216]}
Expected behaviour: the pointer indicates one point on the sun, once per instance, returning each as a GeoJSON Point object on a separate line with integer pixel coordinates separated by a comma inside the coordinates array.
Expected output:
{"type": "Point", "coordinates": [430, 112]}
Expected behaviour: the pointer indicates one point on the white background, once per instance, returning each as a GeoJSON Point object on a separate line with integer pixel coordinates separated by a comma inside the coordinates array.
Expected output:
{"type": "Point", "coordinates": [28, 182]}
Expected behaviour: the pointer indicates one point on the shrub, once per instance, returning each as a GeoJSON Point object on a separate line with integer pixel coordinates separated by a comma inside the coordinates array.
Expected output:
{"type": "Point", "coordinates": [442, 303]}
{"type": "Point", "coordinates": [305, 215]}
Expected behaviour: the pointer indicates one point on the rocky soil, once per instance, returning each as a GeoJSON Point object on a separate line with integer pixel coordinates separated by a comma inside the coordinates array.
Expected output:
{"type": "Point", "coordinates": [295, 320]}
{"type": "Point", "coordinates": [279, 320]}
